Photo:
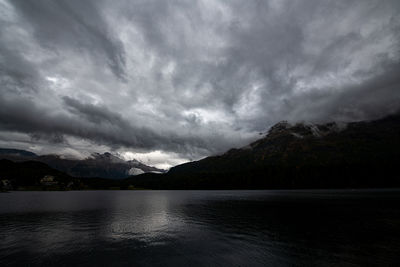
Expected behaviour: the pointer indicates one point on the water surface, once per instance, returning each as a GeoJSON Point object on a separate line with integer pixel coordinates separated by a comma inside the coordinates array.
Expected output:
{"type": "Point", "coordinates": [201, 228]}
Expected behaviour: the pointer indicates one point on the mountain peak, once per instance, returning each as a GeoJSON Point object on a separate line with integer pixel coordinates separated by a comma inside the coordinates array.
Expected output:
{"type": "Point", "coordinates": [107, 156]}
{"type": "Point", "coordinates": [279, 127]}
{"type": "Point", "coordinates": [302, 129]}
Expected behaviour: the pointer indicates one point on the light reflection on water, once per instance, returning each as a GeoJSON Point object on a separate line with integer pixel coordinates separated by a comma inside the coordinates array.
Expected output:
{"type": "Point", "coordinates": [200, 228]}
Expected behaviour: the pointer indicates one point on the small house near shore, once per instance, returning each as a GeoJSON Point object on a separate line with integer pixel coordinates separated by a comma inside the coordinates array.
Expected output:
{"type": "Point", "coordinates": [48, 180]}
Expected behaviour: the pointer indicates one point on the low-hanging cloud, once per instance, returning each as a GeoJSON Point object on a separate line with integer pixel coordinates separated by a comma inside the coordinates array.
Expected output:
{"type": "Point", "coordinates": [191, 78]}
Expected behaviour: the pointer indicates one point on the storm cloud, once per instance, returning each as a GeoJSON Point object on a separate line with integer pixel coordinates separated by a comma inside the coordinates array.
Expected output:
{"type": "Point", "coordinates": [187, 79]}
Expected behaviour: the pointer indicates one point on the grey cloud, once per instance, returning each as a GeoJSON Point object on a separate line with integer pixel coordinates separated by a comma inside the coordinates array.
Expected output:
{"type": "Point", "coordinates": [95, 123]}
{"type": "Point", "coordinates": [17, 74]}
{"type": "Point", "coordinates": [75, 24]}
{"type": "Point", "coordinates": [93, 113]}
{"type": "Point", "coordinates": [195, 78]}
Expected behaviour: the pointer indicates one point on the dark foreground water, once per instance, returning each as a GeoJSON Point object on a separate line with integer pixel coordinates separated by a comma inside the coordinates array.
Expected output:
{"type": "Point", "coordinates": [200, 228]}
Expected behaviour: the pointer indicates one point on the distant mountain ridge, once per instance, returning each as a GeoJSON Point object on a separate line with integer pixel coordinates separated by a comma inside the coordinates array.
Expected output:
{"type": "Point", "coordinates": [303, 155]}
{"type": "Point", "coordinates": [104, 165]}
{"type": "Point", "coordinates": [356, 155]}
{"type": "Point", "coordinates": [16, 152]}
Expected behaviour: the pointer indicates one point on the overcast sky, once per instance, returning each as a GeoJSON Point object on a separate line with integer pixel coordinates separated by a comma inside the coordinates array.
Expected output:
{"type": "Point", "coordinates": [171, 81]}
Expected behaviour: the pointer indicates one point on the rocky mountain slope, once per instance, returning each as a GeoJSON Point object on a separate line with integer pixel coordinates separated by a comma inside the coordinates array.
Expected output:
{"type": "Point", "coordinates": [104, 165]}
{"type": "Point", "coordinates": [359, 154]}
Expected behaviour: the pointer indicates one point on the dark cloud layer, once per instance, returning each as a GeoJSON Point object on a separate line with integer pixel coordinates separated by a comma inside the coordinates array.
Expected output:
{"type": "Point", "coordinates": [190, 78]}
{"type": "Point", "coordinates": [76, 25]}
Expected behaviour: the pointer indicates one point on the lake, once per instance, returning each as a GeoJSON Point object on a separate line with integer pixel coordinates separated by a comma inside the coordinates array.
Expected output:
{"type": "Point", "coordinates": [201, 228]}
